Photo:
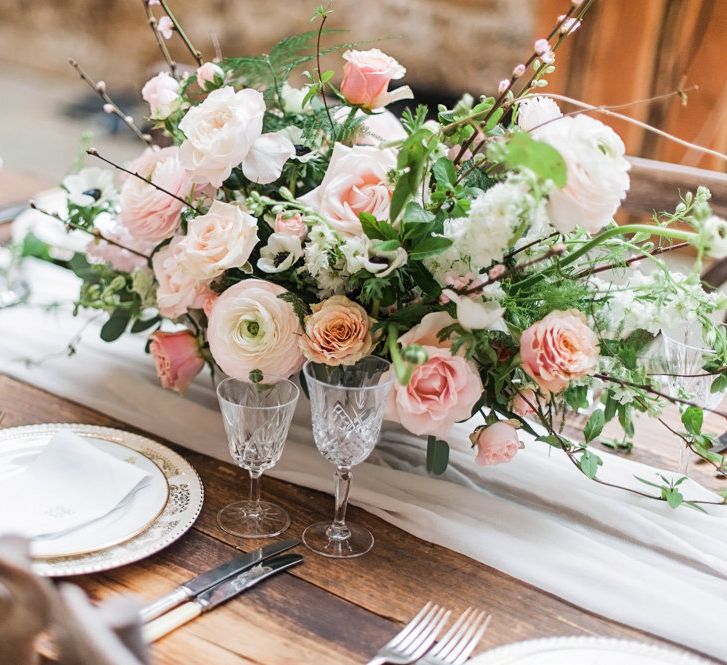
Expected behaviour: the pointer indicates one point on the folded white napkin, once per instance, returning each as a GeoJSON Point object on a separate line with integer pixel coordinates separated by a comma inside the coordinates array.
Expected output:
{"type": "Point", "coordinates": [70, 484]}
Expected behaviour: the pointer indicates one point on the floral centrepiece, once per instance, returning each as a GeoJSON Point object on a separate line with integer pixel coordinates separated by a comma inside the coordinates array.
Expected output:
{"type": "Point", "coordinates": [285, 224]}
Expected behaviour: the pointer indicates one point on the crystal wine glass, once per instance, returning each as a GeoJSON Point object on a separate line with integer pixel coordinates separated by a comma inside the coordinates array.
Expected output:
{"type": "Point", "coordinates": [347, 407]}
{"type": "Point", "coordinates": [13, 289]}
{"type": "Point", "coordinates": [257, 417]}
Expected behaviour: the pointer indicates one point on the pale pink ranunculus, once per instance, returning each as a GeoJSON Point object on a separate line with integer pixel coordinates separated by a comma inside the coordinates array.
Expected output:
{"type": "Point", "coordinates": [366, 78]}
{"type": "Point", "coordinates": [251, 327]}
{"type": "Point", "coordinates": [162, 94]}
{"type": "Point", "coordinates": [177, 290]}
{"type": "Point", "coordinates": [210, 75]}
{"type": "Point", "coordinates": [356, 181]}
{"type": "Point", "coordinates": [536, 111]}
{"type": "Point", "coordinates": [221, 239]}
{"type": "Point", "coordinates": [177, 358]}
{"type": "Point", "coordinates": [557, 349]}
{"type": "Point", "coordinates": [525, 403]}
{"type": "Point", "coordinates": [291, 225]}
{"type": "Point", "coordinates": [146, 212]}
{"type": "Point", "coordinates": [496, 443]}
{"type": "Point", "coordinates": [427, 330]}
{"type": "Point", "coordinates": [209, 302]}
{"type": "Point", "coordinates": [441, 392]}
{"type": "Point", "coordinates": [338, 332]}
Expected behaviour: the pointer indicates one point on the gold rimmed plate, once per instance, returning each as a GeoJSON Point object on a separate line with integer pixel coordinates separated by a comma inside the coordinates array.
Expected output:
{"type": "Point", "coordinates": [152, 518]}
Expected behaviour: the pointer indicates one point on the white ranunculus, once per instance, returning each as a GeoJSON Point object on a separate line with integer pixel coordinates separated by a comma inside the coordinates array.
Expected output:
{"type": "Point", "coordinates": [714, 231]}
{"type": "Point", "coordinates": [264, 163]}
{"type": "Point", "coordinates": [162, 94]}
{"type": "Point", "coordinates": [474, 314]}
{"type": "Point", "coordinates": [281, 252]}
{"type": "Point", "coordinates": [221, 239]}
{"type": "Point", "coordinates": [536, 111]}
{"type": "Point", "coordinates": [597, 173]}
{"type": "Point", "coordinates": [91, 186]}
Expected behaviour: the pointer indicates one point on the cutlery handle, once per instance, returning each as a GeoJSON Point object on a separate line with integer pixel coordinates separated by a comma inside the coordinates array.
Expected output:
{"type": "Point", "coordinates": [170, 621]}
{"type": "Point", "coordinates": [163, 604]}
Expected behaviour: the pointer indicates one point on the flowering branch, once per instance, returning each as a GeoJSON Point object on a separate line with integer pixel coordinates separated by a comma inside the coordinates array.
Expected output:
{"type": "Point", "coordinates": [94, 153]}
{"type": "Point", "coordinates": [633, 259]}
{"type": "Point", "coordinates": [160, 40]}
{"type": "Point", "coordinates": [196, 54]}
{"type": "Point", "coordinates": [109, 105]}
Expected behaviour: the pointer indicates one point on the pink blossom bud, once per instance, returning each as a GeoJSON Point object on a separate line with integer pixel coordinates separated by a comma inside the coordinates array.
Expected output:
{"type": "Point", "coordinates": [151, 3]}
{"type": "Point", "coordinates": [496, 271]}
{"type": "Point", "coordinates": [165, 27]}
{"type": "Point", "coordinates": [503, 86]}
{"type": "Point", "coordinates": [542, 46]}
{"type": "Point", "coordinates": [518, 71]}
{"type": "Point", "coordinates": [577, 3]}
{"type": "Point", "coordinates": [569, 26]}
{"type": "Point", "coordinates": [101, 86]}
{"type": "Point", "coordinates": [129, 119]}
{"type": "Point", "coordinates": [108, 108]}
{"type": "Point", "coordinates": [558, 248]}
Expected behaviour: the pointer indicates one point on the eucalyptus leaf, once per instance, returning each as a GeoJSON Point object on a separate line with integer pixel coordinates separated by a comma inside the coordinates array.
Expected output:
{"type": "Point", "coordinates": [437, 455]}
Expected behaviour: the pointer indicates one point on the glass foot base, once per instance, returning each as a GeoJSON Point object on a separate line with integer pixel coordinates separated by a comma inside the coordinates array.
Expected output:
{"type": "Point", "coordinates": [14, 294]}
{"type": "Point", "coordinates": [320, 539]}
{"type": "Point", "coordinates": [248, 519]}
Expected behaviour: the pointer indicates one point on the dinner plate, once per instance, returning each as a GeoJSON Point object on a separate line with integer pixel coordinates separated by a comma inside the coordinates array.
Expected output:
{"type": "Point", "coordinates": [149, 520]}
{"type": "Point", "coordinates": [585, 651]}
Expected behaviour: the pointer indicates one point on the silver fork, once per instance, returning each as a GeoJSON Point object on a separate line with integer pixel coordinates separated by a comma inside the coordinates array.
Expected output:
{"type": "Point", "coordinates": [459, 641]}
{"type": "Point", "coordinates": [412, 642]}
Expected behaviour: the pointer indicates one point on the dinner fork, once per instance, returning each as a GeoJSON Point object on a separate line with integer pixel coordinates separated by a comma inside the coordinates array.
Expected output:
{"type": "Point", "coordinates": [459, 641]}
{"type": "Point", "coordinates": [412, 642]}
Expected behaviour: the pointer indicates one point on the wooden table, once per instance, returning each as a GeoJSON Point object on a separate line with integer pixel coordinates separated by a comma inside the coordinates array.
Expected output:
{"type": "Point", "coordinates": [325, 611]}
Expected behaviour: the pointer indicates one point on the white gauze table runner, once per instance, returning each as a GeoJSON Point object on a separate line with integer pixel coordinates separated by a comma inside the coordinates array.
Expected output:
{"type": "Point", "coordinates": [629, 559]}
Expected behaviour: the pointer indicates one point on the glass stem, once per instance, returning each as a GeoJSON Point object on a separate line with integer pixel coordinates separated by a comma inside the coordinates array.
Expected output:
{"type": "Point", "coordinates": [684, 456]}
{"type": "Point", "coordinates": [255, 493]}
{"type": "Point", "coordinates": [338, 528]}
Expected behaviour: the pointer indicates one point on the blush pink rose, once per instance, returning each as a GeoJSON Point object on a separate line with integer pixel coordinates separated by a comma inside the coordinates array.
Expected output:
{"type": "Point", "coordinates": [525, 403]}
{"type": "Point", "coordinates": [366, 78]}
{"type": "Point", "coordinates": [496, 443]}
{"type": "Point", "coordinates": [557, 349]}
{"type": "Point", "coordinates": [427, 330]}
{"type": "Point", "coordinates": [177, 358]}
{"type": "Point", "coordinates": [441, 392]}
{"type": "Point", "coordinates": [146, 212]}
{"type": "Point", "coordinates": [162, 94]}
{"type": "Point", "coordinates": [292, 225]}
{"type": "Point", "coordinates": [251, 327]}
{"type": "Point", "coordinates": [356, 181]}
{"type": "Point", "coordinates": [177, 290]}
{"type": "Point", "coordinates": [210, 75]}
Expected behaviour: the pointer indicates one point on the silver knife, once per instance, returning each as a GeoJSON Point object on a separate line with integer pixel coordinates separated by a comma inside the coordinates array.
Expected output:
{"type": "Point", "coordinates": [218, 594]}
{"type": "Point", "coordinates": [209, 578]}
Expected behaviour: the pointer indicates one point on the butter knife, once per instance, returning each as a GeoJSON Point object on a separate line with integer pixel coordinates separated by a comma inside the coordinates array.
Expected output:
{"type": "Point", "coordinates": [210, 578]}
{"type": "Point", "coordinates": [218, 594]}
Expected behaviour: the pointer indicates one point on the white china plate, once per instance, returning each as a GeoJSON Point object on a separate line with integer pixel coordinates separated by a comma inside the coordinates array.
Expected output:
{"type": "Point", "coordinates": [154, 517]}
{"type": "Point", "coordinates": [585, 651]}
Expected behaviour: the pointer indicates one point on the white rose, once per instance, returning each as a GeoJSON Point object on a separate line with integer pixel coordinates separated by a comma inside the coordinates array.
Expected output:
{"type": "Point", "coordinates": [222, 132]}
{"type": "Point", "coordinates": [536, 111]}
{"type": "Point", "coordinates": [714, 232]}
{"type": "Point", "coordinates": [221, 239]}
{"type": "Point", "coordinates": [597, 173]}
{"type": "Point", "coordinates": [162, 94]}
{"type": "Point", "coordinates": [356, 181]}
{"type": "Point", "coordinates": [177, 291]}
{"type": "Point", "coordinates": [281, 252]}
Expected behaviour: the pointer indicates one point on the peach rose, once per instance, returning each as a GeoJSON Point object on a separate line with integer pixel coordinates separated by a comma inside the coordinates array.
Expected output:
{"type": "Point", "coordinates": [221, 239]}
{"type": "Point", "coordinates": [496, 443]}
{"type": "Point", "coordinates": [356, 181]}
{"type": "Point", "coordinates": [250, 327]}
{"type": "Point", "coordinates": [177, 290]}
{"type": "Point", "coordinates": [441, 392]}
{"type": "Point", "coordinates": [558, 348]}
{"type": "Point", "coordinates": [427, 330]}
{"type": "Point", "coordinates": [338, 332]}
{"type": "Point", "coordinates": [177, 358]}
{"type": "Point", "coordinates": [525, 403]}
{"type": "Point", "coordinates": [366, 78]}
{"type": "Point", "coordinates": [146, 212]}
{"type": "Point", "coordinates": [292, 225]}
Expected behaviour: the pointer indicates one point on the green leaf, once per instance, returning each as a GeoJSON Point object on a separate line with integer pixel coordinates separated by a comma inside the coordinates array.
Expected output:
{"type": "Point", "coordinates": [444, 172]}
{"type": "Point", "coordinates": [552, 440]}
{"type": "Point", "coordinates": [140, 325]}
{"type": "Point", "coordinates": [377, 230]}
{"type": "Point", "coordinates": [437, 455]}
{"type": "Point", "coordinates": [424, 279]}
{"type": "Point", "coordinates": [115, 326]}
{"type": "Point", "coordinates": [719, 384]}
{"type": "Point", "coordinates": [417, 222]}
{"type": "Point", "coordinates": [673, 496]}
{"type": "Point", "coordinates": [544, 160]}
{"type": "Point", "coordinates": [611, 407]}
{"type": "Point", "coordinates": [385, 245]}
{"type": "Point", "coordinates": [692, 419]}
{"type": "Point", "coordinates": [589, 463]}
{"type": "Point", "coordinates": [430, 246]}
{"type": "Point", "coordinates": [405, 188]}
{"type": "Point", "coordinates": [594, 426]}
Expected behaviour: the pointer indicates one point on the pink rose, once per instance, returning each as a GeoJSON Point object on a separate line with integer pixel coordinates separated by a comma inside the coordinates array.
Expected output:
{"type": "Point", "coordinates": [162, 94]}
{"type": "Point", "coordinates": [210, 75]}
{"type": "Point", "coordinates": [366, 78]}
{"type": "Point", "coordinates": [292, 225]}
{"type": "Point", "coordinates": [338, 332]}
{"type": "Point", "coordinates": [146, 212]}
{"type": "Point", "coordinates": [525, 403]}
{"type": "Point", "coordinates": [427, 330]}
{"type": "Point", "coordinates": [177, 358]}
{"type": "Point", "coordinates": [356, 181]}
{"type": "Point", "coordinates": [496, 443]}
{"type": "Point", "coordinates": [441, 392]}
{"type": "Point", "coordinates": [557, 349]}
{"type": "Point", "coordinates": [117, 257]}
{"type": "Point", "coordinates": [177, 290]}
{"type": "Point", "coordinates": [250, 327]}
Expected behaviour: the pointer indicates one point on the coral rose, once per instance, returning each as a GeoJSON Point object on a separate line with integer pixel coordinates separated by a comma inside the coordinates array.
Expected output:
{"type": "Point", "coordinates": [177, 358]}
{"type": "Point", "coordinates": [558, 348]}
{"type": "Point", "coordinates": [146, 212]}
{"type": "Point", "coordinates": [356, 181]}
{"type": "Point", "coordinates": [441, 392]}
{"type": "Point", "coordinates": [525, 403]}
{"type": "Point", "coordinates": [338, 332]}
{"type": "Point", "coordinates": [366, 78]}
{"type": "Point", "coordinates": [177, 291]}
{"type": "Point", "coordinates": [250, 327]}
{"type": "Point", "coordinates": [496, 443]}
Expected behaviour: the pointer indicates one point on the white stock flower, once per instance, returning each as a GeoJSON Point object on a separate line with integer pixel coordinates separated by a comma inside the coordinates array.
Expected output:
{"type": "Point", "coordinates": [91, 186]}
{"type": "Point", "coordinates": [714, 231]}
{"type": "Point", "coordinates": [162, 94]}
{"type": "Point", "coordinates": [281, 252]}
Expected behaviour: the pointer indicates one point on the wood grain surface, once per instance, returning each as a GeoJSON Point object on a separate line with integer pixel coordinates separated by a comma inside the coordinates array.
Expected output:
{"type": "Point", "coordinates": [324, 611]}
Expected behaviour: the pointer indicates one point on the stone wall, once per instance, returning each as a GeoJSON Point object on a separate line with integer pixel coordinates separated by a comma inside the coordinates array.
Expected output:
{"type": "Point", "coordinates": [448, 46]}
